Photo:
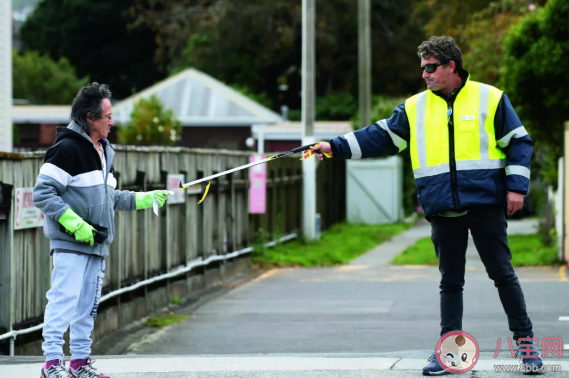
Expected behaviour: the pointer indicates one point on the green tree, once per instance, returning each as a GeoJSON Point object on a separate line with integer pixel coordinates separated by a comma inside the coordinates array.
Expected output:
{"type": "Point", "coordinates": [41, 80]}
{"type": "Point", "coordinates": [478, 27]}
{"type": "Point", "coordinates": [258, 44]}
{"type": "Point", "coordinates": [95, 37]}
{"type": "Point", "coordinates": [536, 74]}
{"type": "Point", "coordinates": [447, 17]}
{"type": "Point", "coordinates": [150, 124]}
{"type": "Point", "coordinates": [485, 35]}
{"type": "Point", "coordinates": [335, 107]}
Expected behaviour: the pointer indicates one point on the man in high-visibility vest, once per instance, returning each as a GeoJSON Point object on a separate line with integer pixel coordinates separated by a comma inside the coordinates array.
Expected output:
{"type": "Point", "coordinates": [471, 161]}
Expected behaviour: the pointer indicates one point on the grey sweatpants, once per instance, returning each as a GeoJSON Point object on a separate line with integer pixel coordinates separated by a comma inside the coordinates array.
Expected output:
{"type": "Point", "coordinates": [76, 283]}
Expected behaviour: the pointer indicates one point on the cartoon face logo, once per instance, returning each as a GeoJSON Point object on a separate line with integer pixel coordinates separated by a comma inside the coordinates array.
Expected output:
{"type": "Point", "coordinates": [457, 352]}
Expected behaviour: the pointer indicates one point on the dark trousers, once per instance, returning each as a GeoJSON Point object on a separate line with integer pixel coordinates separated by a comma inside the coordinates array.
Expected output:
{"type": "Point", "coordinates": [450, 238]}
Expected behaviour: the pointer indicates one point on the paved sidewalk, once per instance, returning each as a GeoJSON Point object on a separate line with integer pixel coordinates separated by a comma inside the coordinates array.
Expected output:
{"type": "Point", "coordinates": [278, 366]}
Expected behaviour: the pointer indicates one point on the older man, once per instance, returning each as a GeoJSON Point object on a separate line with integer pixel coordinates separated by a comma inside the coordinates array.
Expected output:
{"type": "Point", "coordinates": [471, 161]}
{"type": "Point", "coordinates": [76, 190]}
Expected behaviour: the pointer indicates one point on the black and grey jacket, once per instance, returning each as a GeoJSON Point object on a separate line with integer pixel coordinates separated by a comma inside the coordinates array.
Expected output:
{"type": "Point", "coordinates": [72, 176]}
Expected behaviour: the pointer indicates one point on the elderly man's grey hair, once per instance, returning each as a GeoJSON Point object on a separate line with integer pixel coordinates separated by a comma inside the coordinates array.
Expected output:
{"type": "Point", "coordinates": [442, 48]}
{"type": "Point", "coordinates": [87, 105]}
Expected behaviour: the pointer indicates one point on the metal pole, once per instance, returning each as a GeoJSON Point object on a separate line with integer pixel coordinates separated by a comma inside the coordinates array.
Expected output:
{"type": "Point", "coordinates": [6, 76]}
{"type": "Point", "coordinates": [12, 342]}
{"type": "Point", "coordinates": [364, 62]}
{"type": "Point", "coordinates": [565, 235]}
{"type": "Point", "coordinates": [559, 199]}
{"type": "Point", "coordinates": [308, 89]}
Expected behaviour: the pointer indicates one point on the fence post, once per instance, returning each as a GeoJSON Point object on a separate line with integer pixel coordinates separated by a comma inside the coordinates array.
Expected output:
{"type": "Point", "coordinates": [6, 259]}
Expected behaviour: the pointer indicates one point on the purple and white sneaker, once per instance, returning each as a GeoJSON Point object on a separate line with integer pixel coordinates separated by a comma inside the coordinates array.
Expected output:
{"type": "Point", "coordinates": [83, 368]}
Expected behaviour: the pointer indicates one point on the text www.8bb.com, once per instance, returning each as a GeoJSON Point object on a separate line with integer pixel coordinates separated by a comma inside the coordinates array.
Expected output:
{"type": "Point", "coordinates": [526, 368]}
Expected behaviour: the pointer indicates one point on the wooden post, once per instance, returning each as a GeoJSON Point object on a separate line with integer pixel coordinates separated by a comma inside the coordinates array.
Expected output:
{"type": "Point", "coordinates": [6, 255]}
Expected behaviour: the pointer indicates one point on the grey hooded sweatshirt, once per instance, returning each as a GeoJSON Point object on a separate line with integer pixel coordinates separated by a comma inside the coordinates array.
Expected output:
{"type": "Point", "coordinates": [72, 176]}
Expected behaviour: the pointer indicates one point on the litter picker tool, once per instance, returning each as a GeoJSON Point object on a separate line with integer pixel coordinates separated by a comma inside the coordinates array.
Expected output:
{"type": "Point", "coordinates": [274, 157]}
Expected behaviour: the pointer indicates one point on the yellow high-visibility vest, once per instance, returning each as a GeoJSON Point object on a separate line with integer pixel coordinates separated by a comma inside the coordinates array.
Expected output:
{"type": "Point", "coordinates": [475, 145]}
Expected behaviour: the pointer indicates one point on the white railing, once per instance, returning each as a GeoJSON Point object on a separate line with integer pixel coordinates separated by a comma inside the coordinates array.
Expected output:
{"type": "Point", "coordinates": [13, 334]}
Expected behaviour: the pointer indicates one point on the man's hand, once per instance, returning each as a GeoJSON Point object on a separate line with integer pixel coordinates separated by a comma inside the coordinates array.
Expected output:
{"type": "Point", "coordinates": [322, 146]}
{"type": "Point", "coordinates": [76, 226]}
{"type": "Point", "coordinates": [85, 233]}
{"type": "Point", "coordinates": [515, 202]}
{"type": "Point", "coordinates": [144, 199]}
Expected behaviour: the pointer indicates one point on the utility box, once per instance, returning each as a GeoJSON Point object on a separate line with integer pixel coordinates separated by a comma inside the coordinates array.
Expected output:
{"type": "Point", "coordinates": [374, 190]}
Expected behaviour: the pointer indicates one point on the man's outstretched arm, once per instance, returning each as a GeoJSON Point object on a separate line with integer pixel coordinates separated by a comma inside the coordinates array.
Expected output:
{"type": "Point", "coordinates": [386, 137]}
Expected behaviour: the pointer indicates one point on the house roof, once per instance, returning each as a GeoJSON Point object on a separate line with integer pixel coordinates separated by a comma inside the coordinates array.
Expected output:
{"type": "Point", "coordinates": [198, 99]}
{"type": "Point", "coordinates": [41, 114]}
{"type": "Point", "coordinates": [290, 130]}
{"type": "Point", "coordinates": [195, 98]}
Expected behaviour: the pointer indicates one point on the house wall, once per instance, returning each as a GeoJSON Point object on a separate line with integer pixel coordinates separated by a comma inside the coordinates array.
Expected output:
{"type": "Point", "coordinates": [41, 136]}
{"type": "Point", "coordinates": [34, 136]}
{"type": "Point", "coordinates": [281, 145]}
{"type": "Point", "coordinates": [229, 138]}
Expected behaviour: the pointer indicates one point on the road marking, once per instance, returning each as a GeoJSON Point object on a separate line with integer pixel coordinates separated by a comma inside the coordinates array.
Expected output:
{"type": "Point", "coordinates": [268, 274]}
{"type": "Point", "coordinates": [562, 273]}
{"type": "Point", "coordinates": [565, 346]}
{"type": "Point", "coordinates": [352, 267]}
{"type": "Point", "coordinates": [564, 318]}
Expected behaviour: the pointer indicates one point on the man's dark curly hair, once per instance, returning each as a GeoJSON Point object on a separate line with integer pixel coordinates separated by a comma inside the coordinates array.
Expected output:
{"type": "Point", "coordinates": [442, 48]}
{"type": "Point", "coordinates": [87, 103]}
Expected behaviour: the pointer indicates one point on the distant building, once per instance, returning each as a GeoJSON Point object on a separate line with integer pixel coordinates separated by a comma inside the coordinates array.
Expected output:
{"type": "Point", "coordinates": [286, 135]}
{"type": "Point", "coordinates": [36, 124]}
{"type": "Point", "coordinates": [213, 115]}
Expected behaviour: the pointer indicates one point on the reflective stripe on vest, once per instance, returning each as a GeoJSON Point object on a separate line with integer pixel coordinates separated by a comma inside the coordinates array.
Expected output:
{"type": "Point", "coordinates": [474, 137]}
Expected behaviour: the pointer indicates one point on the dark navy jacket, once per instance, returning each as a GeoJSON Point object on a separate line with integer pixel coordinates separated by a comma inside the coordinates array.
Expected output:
{"type": "Point", "coordinates": [378, 140]}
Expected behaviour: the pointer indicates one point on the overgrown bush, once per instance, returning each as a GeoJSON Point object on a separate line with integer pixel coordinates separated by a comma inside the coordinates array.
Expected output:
{"type": "Point", "coordinates": [546, 227]}
{"type": "Point", "coordinates": [335, 107]}
{"type": "Point", "coordinates": [150, 124]}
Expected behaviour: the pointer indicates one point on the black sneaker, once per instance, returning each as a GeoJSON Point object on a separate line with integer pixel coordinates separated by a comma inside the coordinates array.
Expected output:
{"type": "Point", "coordinates": [529, 354]}
{"type": "Point", "coordinates": [433, 367]}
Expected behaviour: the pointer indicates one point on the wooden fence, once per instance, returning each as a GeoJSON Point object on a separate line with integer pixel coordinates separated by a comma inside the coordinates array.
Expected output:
{"type": "Point", "coordinates": [145, 245]}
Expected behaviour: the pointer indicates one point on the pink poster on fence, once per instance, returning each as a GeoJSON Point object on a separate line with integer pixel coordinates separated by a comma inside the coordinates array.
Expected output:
{"type": "Point", "coordinates": [258, 188]}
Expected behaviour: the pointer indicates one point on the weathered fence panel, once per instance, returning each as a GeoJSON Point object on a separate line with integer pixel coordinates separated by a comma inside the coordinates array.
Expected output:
{"type": "Point", "coordinates": [145, 245]}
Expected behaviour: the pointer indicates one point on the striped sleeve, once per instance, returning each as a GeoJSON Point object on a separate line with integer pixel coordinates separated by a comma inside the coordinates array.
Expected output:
{"type": "Point", "coordinates": [386, 137]}
{"type": "Point", "coordinates": [123, 200]}
{"type": "Point", "coordinates": [516, 143]}
{"type": "Point", "coordinates": [54, 176]}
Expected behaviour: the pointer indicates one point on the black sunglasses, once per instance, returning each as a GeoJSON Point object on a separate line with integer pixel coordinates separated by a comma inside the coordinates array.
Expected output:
{"type": "Point", "coordinates": [432, 67]}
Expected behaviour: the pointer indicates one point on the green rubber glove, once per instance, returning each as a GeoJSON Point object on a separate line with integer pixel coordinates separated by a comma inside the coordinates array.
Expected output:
{"type": "Point", "coordinates": [144, 199]}
{"type": "Point", "coordinates": [76, 226]}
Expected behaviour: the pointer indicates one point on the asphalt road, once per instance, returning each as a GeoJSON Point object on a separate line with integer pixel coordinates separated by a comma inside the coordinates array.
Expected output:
{"type": "Point", "coordinates": [365, 307]}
